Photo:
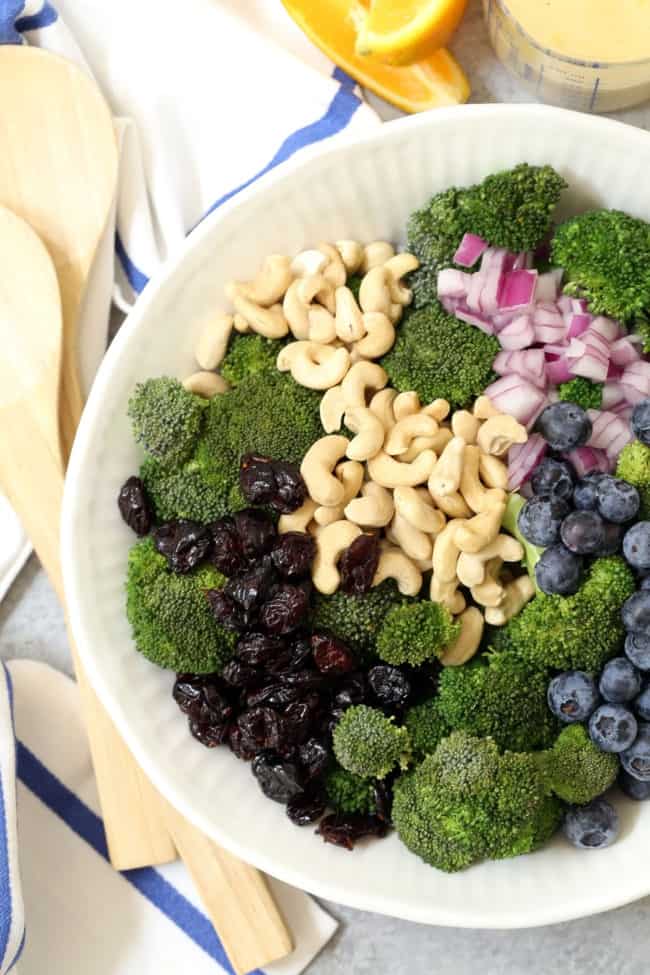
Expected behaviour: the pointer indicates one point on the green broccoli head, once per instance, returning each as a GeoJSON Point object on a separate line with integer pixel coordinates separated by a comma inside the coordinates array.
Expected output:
{"type": "Point", "coordinates": [349, 793]}
{"type": "Point", "coordinates": [606, 259]}
{"type": "Point", "coordinates": [575, 769]}
{"type": "Point", "coordinates": [369, 744]}
{"type": "Point", "coordinates": [634, 466]}
{"type": "Point", "coordinates": [579, 632]}
{"type": "Point", "coordinates": [583, 392]}
{"type": "Point", "coordinates": [426, 727]}
{"type": "Point", "coordinates": [499, 696]}
{"type": "Point", "coordinates": [466, 802]}
{"type": "Point", "coordinates": [439, 356]}
{"type": "Point", "coordinates": [169, 615]}
{"type": "Point", "coordinates": [166, 419]}
{"type": "Point", "coordinates": [248, 355]}
{"type": "Point", "coordinates": [415, 633]}
{"type": "Point", "coordinates": [511, 209]}
{"type": "Point", "coordinates": [196, 491]}
{"type": "Point", "coordinates": [357, 620]}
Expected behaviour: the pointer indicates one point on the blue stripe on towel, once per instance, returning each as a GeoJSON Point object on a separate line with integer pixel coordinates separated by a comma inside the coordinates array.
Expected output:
{"type": "Point", "coordinates": [148, 881]}
{"type": "Point", "coordinates": [46, 15]}
{"type": "Point", "coordinates": [9, 10]}
{"type": "Point", "coordinates": [136, 278]}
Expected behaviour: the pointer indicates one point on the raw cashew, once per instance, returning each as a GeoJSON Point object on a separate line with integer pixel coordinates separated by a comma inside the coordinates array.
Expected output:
{"type": "Point", "coordinates": [390, 473]}
{"type": "Point", "coordinates": [380, 335]}
{"type": "Point", "coordinates": [518, 593]}
{"type": "Point", "coordinates": [374, 292]}
{"type": "Point", "coordinates": [308, 262]}
{"type": "Point", "coordinates": [317, 470]}
{"type": "Point", "coordinates": [453, 505]}
{"type": "Point", "coordinates": [416, 512]}
{"type": "Point", "coordinates": [493, 472]}
{"type": "Point", "coordinates": [374, 510]}
{"type": "Point", "coordinates": [240, 324]}
{"type": "Point", "coordinates": [394, 564]}
{"type": "Point", "coordinates": [297, 520]}
{"type": "Point", "coordinates": [490, 592]}
{"type": "Point", "coordinates": [417, 445]}
{"type": "Point", "coordinates": [468, 640]}
{"type": "Point", "coordinates": [400, 437]}
{"type": "Point", "coordinates": [477, 532]}
{"type": "Point", "coordinates": [332, 408]}
{"type": "Point", "coordinates": [446, 475]}
{"type": "Point", "coordinates": [331, 542]}
{"type": "Point", "coordinates": [350, 473]}
{"type": "Point", "coordinates": [351, 253]}
{"type": "Point", "coordinates": [376, 253]}
{"type": "Point", "coordinates": [448, 594]}
{"type": "Point", "coordinates": [317, 366]}
{"type": "Point", "coordinates": [327, 516]}
{"type": "Point", "coordinates": [206, 384]}
{"type": "Point", "coordinates": [270, 283]}
{"type": "Point", "coordinates": [483, 408]}
{"type": "Point", "coordinates": [369, 433]}
{"type": "Point", "coordinates": [213, 341]}
{"type": "Point", "coordinates": [405, 405]}
{"type": "Point", "coordinates": [269, 322]}
{"type": "Point", "coordinates": [477, 497]}
{"type": "Point", "coordinates": [446, 553]}
{"type": "Point", "coordinates": [334, 271]}
{"type": "Point", "coordinates": [362, 377]}
{"type": "Point", "coordinates": [465, 425]}
{"type": "Point", "coordinates": [499, 433]}
{"type": "Point", "coordinates": [441, 439]}
{"type": "Point", "coordinates": [412, 541]}
{"type": "Point", "coordinates": [381, 405]}
{"type": "Point", "coordinates": [471, 568]}
{"type": "Point", "coordinates": [438, 409]}
{"type": "Point", "coordinates": [397, 267]}
{"type": "Point", "coordinates": [300, 296]}
{"type": "Point", "coordinates": [322, 325]}
{"type": "Point", "coordinates": [349, 320]}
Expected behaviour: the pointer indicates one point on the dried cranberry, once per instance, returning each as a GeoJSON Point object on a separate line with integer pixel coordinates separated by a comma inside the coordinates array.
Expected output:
{"type": "Point", "coordinates": [238, 674]}
{"type": "Point", "coordinates": [135, 506]}
{"type": "Point", "coordinates": [290, 488]}
{"type": "Point", "coordinates": [332, 719]}
{"type": "Point", "coordinates": [256, 479]}
{"type": "Point", "coordinates": [313, 757]}
{"type": "Point", "coordinates": [291, 659]}
{"type": "Point", "coordinates": [257, 649]}
{"type": "Point", "coordinates": [241, 745]}
{"type": "Point", "coordinates": [250, 590]}
{"type": "Point", "coordinates": [227, 552]}
{"type": "Point", "coordinates": [346, 830]}
{"type": "Point", "coordinates": [358, 565]}
{"type": "Point", "coordinates": [285, 610]}
{"type": "Point", "coordinates": [389, 685]}
{"type": "Point", "coordinates": [306, 808]}
{"type": "Point", "coordinates": [225, 610]}
{"type": "Point", "coordinates": [278, 779]}
{"type": "Point", "coordinates": [256, 532]}
{"type": "Point", "coordinates": [275, 695]}
{"type": "Point", "coordinates": [331, 655]}
{"type": "Point", "coordinates": [185, 544]}
{"type": "Point", "coordinates": [293, 554]}
{"type": "Point", "coordinates": [383, 794]}
{"type": "Point", "coordinates": [351, 691]}
{"type": "Point", "coordinates": [187, 692]}
{"type": "Point", "coordinates": [300, 717]}
{"type": "Point", "coordinates": [209, 735]}
{"type": "Point", "coordinates": [262, 728]}
{"type": "Point", "coordinates": [310, 680]}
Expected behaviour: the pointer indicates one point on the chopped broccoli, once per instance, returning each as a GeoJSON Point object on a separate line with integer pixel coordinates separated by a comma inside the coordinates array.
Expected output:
{"type": "Point", "coordinates": [190, 491]}
{"type": "Point", "coordinates": [354, 283]}
{"type": "Point", "coordinates": [583, 392]}
{"type": "Point", "coordinates": [532, 553]}
{"type": "Point", "coordinates": [576, 770]}
{"type": "Point", "coordinates": [169, 615]}
{"type": "Point", "coordinates": [511, 209]}
{"type": "Point", "coordinates": [349, 793]}
{"type": "Point", "coordinates": [606, 259]}
{"type": "Point", "coordinates": [634, 467]}
{"type": "Point", "coordinates": [415, 633]}
{"type": "Point", "coordinates": [166, 419]}
{"type": "Point", "coordinates": [356, 619]}
{"type": "Point", "coordinates": [439, 356]}
{"type": "Point", "coordinates": [369, 744]}
{"type": "Point", "coordinates": [247, 355]}
{"type": "Point", "coordinates": [642, 329]}
{"type": "Point", "coordinates": [466, 802]}
{"type": "Point", "coordinates": [426, 727]}
{"type": "Point", "coordinates": [579, 632]}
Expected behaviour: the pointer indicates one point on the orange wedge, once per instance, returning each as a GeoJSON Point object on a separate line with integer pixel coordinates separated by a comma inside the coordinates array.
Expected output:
{"type": "Point", "coordinates": [332, 25]}
{"type": "Point", "coordinates": [406, 31]}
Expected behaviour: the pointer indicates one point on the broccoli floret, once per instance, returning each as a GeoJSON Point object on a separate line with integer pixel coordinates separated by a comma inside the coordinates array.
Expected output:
{"type": "Point", "coordinates": [354, 283]}
{"type": "Point", "coordinates": [349, 793]}
{"type": "Point", "coordinates": [466, 802]}
{"type": "Point", "coordinates": [575, 769]}
{"type": "Point", "coordinates": [532, 553]}
{"type": "Point", "coordinates": [579, 632]}
{"type": "Point", "coordinates": [190, 491]}
{"type": "Point", "coordinates": [439, 356]}
{"type": "Point", "coordinates": [606, 259]}
{"type": "Point", "coordinates": [357, 619]}
{"type": "Point", "coordinates": [426, 727]}
{"type": "Point", "coordinates": [634, 466]}
{"type": "Point", "coordinates": [169, 615]}
{"type": "Point", "coordinates": [499, 696]}
{"type": "Point", "coordinates": [642, 329]}
{"type": "Point", "coordinates": [247, 355]}
{"type": "Point", "coordinates": [415, 633]}
{"type": "Point", "coordinates": [166, 419]}
{"type": "Point", "coordinates": [511, 209]}
{"type": "Point", "coordinates": [369, 744]}
{"type": "Point", "coordinates": [583, 392]}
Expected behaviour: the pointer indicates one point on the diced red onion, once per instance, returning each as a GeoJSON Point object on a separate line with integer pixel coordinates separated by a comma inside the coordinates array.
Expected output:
{"type": "Point", "coordinates": [470, 249]}
{"type": "Point", "coordinates": [614, 373]}
{"type": "Point", "coordinates": [612, 396]}
{"type": "Point", "coordinates": [589, 366]}
{"type": "Point", "coordinates": [476, 284]}
{"type": "Point", "coordinates": [609, 432]}
{"type": "Point", "coordinates": [558, 371]}
{"type": "Point", "coordinates": [550, 326]}
{"type": "Point", "coordinates": [578, 324]}
{"type": "Point", "coordinates": [548, 285]}
{"type": "Point", "coordinates": [474, 318]}
{"type": "Point", "coordinates": [518, 334]}
{"type": "Point", "coordinates": [586, 459]}
{"type": "Point", "coordinates": [605, 327]}
{"type": "Point", "coordinates": [635, 381]}
{"type": "Point", "coordinates": [632, 395]}
{"type": "Point", "coordinates": [492, 270]}
{"type": "Point", "coordinates": [529, 364]}
{"type": "Point", "coordinates": [523, 459]}
{"type": "Point", "coordinates": [517, 397]}
{"type": "Point", "coordinates": [453, 283]}
{"type": "Point", "coordinates": [623, 352]}
{"type": "Point", "coordinates": [518, 289]}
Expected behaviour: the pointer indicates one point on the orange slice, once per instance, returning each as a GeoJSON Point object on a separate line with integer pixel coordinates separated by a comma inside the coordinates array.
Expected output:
{"type": "Point", "coordinates": [406, 31]}
{"type": "Point", "coordinates": [332, 26]}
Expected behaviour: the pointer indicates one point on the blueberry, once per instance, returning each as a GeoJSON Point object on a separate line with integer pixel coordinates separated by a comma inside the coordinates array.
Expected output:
{"type": "Point", "coordinates": [637, 649]}
{"type": "Point", "coordinates": [613, 728]}
{"type": "Point", "coordinates": [641, 421]}
{"type": "Point", "coordinates": [636, 613]}
{"type": "Point", "coordinates": [620, 681]}
{"type": "Point", "coordinates": [583, 532]}
{"type": "Point", "coordinates": [632, 787]}
{"type": "Point", "coordinates": [618, 501]}
{"type": "Point", "coordinates": [636, 545]}
{"type": "Point", "coordinates": [636, 759]}
{"type": "Point", "coordinates": [613, 538]}
{"type": "Point", "coordinates": [585, 494]}
{"type": "Point", "coordinates": [553, 479]}
{"type": "Point", "coordinates": [572, 696]}
{"type": "Point", "coordinates": [591, 827]}
{"type": "Point", "coordinates": [540, 519]}
{"type": "Point", "coordinates": [564, 426]}
{"type": "Point", "coordinates": [642, 704]}
{"type": "Point", "coordinates": [558, 571]}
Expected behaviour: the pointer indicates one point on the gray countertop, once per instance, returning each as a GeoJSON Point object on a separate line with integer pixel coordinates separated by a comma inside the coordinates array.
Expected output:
{"type": "Point", "coordinates": [31, 625]}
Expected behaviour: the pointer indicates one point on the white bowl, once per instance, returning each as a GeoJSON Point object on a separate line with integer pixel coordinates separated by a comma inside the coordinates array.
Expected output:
{"type": "Point", "coordinates": [362, 188]}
